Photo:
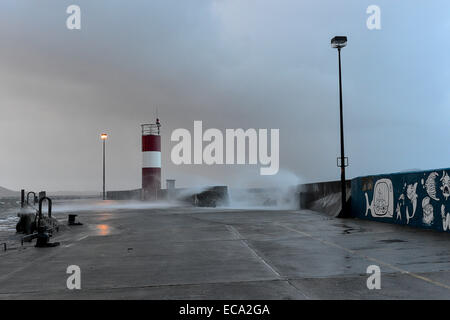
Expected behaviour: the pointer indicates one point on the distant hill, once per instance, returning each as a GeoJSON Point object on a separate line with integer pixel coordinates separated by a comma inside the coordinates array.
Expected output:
{"type": "Point", "coordinates": [8, 193]}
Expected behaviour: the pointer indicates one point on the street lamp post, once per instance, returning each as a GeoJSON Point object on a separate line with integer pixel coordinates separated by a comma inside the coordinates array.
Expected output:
{"type": "Point", "coordinates": [104, 136]}
{"type": "Point", "coordinates": [340, 42]}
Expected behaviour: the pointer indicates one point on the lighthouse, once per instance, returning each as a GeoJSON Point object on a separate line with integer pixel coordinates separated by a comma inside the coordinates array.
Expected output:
{"type": "Point", "coordinates": [151, 160]}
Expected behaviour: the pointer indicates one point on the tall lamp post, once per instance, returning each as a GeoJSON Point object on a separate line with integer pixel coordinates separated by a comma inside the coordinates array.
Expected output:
{"type": "Point", "coordinates": [340, 42]}
{"type": "Point", "coordinates": [104, 136]}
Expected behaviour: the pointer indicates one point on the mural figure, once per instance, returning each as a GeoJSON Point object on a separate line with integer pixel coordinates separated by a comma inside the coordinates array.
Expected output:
{"type": "Point", "coordinates": [427, 211]}
{"type": "Point", "coordinates": [400, 204]}
{"type": "Point", "coordinates": [430, 185]}
{"type": "Point", "coordinates": [445, 187]}
{"type": "Point", "coordinates": [445, 219]}
{"type": "Point", "coordinates": [421, 199]}
{"type": "Point", "coordinates": [412, 196]}
{"type": "Point", "coordinates": [382, 205]}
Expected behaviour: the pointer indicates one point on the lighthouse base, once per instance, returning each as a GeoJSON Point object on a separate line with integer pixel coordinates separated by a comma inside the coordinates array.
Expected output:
{"type": "Point", "coordinates": [150, 194]}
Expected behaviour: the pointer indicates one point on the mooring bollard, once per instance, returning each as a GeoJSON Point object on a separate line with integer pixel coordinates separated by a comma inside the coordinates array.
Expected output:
{"type": "Point", "coordinates": [72, 220]}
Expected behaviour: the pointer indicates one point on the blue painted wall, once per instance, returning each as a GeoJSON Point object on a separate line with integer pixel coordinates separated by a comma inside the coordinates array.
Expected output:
{"type": "Point", "coordinates": [420, 199]}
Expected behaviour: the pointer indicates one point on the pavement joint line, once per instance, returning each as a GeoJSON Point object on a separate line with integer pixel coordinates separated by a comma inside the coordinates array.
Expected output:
{"type": "Point", "coordinates": [82, 238]}
{"type": "Point", "coordinates": [436, 283]}
{"type": "Point", "coordinates": [150, 286]}
{"type": "Point", "coordinates": [236, 234]}
{"type": "Point", "coordinates": [297, 289]}
{"type": "Point", "coordinates": [31, 263]}
{"type": "Point", "coordinates": [40, 258]}
{"type": "Point", "coordinates": [245, 242]}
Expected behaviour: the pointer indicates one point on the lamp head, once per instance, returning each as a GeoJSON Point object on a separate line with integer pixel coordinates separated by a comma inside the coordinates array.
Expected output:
{"type": "Point", "coordinates": [339, 42]}
{"type": "Point", "coordinates": [103, 136]}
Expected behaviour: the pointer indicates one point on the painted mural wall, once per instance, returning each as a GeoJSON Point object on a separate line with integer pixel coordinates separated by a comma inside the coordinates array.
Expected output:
{"type": "Point", "coordinates": [420, 199]}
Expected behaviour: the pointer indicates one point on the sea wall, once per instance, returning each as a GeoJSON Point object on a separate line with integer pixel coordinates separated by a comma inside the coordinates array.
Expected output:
{"type": "Point", "coordinates": [124, 195]}
{"type": "Point", "coordinates": [324, 197]}
{"type": "Point", "coordinates": [420, 199]}
{"type": "Point", "coordinates": [205, 197]}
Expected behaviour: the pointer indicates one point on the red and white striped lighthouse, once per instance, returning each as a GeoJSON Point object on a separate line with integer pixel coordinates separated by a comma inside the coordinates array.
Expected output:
{"type": "Point", "coordinates": [151, 160]}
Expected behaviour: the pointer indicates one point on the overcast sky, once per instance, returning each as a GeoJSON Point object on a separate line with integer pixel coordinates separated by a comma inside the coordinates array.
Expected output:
{"type": "Point", "coordinates": [231, 64]}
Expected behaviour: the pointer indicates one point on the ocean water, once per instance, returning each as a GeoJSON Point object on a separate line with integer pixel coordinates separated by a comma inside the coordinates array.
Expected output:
{"type": "Point", "coordinates": [9, 207]}
{"type": "Point", "coordinates": [62, 205]}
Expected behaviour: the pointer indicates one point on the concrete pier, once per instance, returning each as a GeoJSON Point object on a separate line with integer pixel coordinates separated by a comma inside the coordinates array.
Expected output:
{"type": "Point", "coordinates": [204, 253]}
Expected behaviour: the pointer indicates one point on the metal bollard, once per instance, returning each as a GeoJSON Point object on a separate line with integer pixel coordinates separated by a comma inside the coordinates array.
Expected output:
{"type": "Point", "coordinates": [72, 221]}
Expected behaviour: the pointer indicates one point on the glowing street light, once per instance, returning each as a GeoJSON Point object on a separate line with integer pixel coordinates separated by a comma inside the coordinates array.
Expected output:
{"type": "Point", "coordinates": [103, 137]}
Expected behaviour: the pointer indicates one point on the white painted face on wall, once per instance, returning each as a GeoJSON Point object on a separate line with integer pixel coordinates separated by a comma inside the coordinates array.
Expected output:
{"type": "Point", "coordinates": [383, 199]}
{"type": "Point", "coordinates": [445, 187]}
{"type": "Point", "coordinates": [381, 207]}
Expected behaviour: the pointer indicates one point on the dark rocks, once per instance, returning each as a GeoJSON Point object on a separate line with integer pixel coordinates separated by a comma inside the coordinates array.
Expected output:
{"type": "Point", "coordinates": [213, 197]}
{"type": "Point", "coordinates": [26, 223]}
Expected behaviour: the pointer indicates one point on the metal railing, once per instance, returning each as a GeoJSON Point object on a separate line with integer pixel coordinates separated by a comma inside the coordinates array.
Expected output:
{"type": "Point", "coordinates": [150, 129]}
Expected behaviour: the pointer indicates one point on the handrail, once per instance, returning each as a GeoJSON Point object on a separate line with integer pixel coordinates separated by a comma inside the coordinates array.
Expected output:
{"type": "Point", "coordinates": [150, 129]}
{"type": "Point", "coordinates": [49, 201]}
{"type": "Point", "coordinates": [34, 197]}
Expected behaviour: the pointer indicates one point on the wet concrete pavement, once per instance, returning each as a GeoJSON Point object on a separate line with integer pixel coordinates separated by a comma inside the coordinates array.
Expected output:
{"type": "Point", "coordinates": [194, 253]}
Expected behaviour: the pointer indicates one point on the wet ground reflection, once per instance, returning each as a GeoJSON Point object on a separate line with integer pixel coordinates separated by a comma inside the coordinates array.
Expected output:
{"type": "Point", "coordinates": [103, 229]}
